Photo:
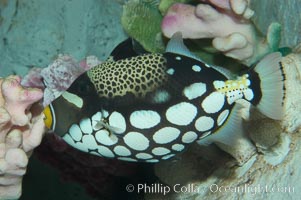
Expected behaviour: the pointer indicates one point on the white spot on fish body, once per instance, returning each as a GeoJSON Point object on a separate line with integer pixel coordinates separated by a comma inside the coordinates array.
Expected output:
{"type": "Point", "coordinates": [78, 145]}
{"type": "Point", "coordinates": [207, 65]}
{"type": "Point", "coordinates": [170, 71]}
{"type": "Point", "coordinates": [189, 137]}
{"type": "Point", "coordinates": [167, 156]}
{"type": "Point", "coordinates": [194, 90]}
{"type": "Point", "coordinates": [214, 102]}
{"type": "Point", "coordinates": [74, 99]}
{"type": "Point", "coordinates": [67, 138]}
{"type": "Point", "coordinates": [106, 152]}
{"type": "Point", "coordinates": [166, 135]}
{"type": "Point", "coordinates": [136, 141]}
{"type": "Point", "coordinates": [144, 156]}
{"type": "Point", "coordinates": [248, 93]}
{"type": "Point", "coordinates": [95, 121]}
{"type": "Point", "coordinates": [85, 126]}
{"type": "Point", "coordinates": [105, 113]}
{"type": "Point", "coordinates": [248, 82]}
{"type": "Point", "coordinates": [152, 160]}
{"type": "Point", "coordinates": [204, 135]}
{"type": "Point", "coordinates": [122, 151]}
{"type": "Point", "coordinates": [181, 114]}
{"type": "Point", "coordinates": [178, 147]}
{"type": "Point", "coordinates": [178, 58]}
{"type": "Point", "coordinates": [75, 132]}
{"type": "Point", "coordinates": [204, 123]}
{"type": "Point", "coordinates": [105, 138]}
{"type": "Point", "coordinates": [160, 151]}
{"type": "Point", "coordinates": [144, 119]}
{"type": "Point", "coordinates": [117, 121]}
{"type": "Point", "coordinates": [127, 159]}
{"type": "Point", "coordinates": [89, 142]}
{"type": "Point", "coordinates": [222, 117]}
{"type": "Point", "coordinates": [161, 96]}
{"type": "Point", "coordinates": [233, 96]}
{"type": "Point", "coordinates": [219, 84]}
{"type": "Point", "coordinates": [196, 68]}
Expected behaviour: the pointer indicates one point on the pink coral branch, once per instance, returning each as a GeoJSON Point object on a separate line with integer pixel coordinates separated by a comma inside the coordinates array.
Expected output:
{"type": "Point", "coordinates": [238, 7]}
{"type": "Point", "coordinates": [21, 130]}
{"type": "Point", "coordinates": [225, 21]}
{"type": "Point", "coordinates": [18, 99]}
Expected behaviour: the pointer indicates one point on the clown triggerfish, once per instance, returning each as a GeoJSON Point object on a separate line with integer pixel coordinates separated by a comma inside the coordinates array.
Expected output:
{"type": "Point", "coordinates": [149, 107]}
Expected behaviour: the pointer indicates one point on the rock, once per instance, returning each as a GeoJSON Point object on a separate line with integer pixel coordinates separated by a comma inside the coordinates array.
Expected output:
{"type": "Point", "coordinates": [34, 32]}
{"type": "Point", "coordinates": [292, 67]}
{"type": "Point", "coordinates": [287, 14]}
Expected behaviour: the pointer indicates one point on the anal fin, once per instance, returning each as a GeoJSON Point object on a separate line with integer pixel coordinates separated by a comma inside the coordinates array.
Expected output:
{"type": "Point", "coordinates": [231, 137]}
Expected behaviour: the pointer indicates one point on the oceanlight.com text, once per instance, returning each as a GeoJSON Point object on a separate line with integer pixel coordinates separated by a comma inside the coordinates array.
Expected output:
{"type": "Point", "coordinates": [159, 188]}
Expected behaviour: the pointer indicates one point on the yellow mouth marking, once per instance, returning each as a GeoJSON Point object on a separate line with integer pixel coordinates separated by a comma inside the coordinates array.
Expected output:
{"type": "Point", "coordinates": [48, 119]}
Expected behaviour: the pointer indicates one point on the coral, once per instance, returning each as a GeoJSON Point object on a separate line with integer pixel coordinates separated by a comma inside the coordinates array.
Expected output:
{"type": "Point", "coordinates": [33, 78]}
{"type": "Point", "coordinates": [165, 4]}
{"type": "Point", "coordinates": [21, 130]}
{"type": "Point", "coordinates": [141, 19]}
{"type": "Point", "coordinates": [227, 24]}
{"type": "Point", "coordinates": [58, 76]}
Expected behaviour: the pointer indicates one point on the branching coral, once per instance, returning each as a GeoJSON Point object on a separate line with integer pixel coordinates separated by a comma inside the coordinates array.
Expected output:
{"type": "Point", "coordinates": [21, 130]}
{"type": "Point", "coordinates": [227, 23]}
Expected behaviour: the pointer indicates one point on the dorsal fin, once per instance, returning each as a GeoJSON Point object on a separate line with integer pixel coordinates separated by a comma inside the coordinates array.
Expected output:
{"type": "Point", "coordinates": [176, 45]}
{"type": "Point", "coordinates": [126, 49]}
{"type": "Point", "coordinates": [227, 73]}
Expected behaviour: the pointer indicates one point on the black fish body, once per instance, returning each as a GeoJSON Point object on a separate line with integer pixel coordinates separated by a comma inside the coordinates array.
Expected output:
{"type": "Point", "coordinates": [150, 107]}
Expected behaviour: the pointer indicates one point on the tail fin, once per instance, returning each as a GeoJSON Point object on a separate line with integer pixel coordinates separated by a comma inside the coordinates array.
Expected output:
{"type": "Point", "coordinates": [269, 85]}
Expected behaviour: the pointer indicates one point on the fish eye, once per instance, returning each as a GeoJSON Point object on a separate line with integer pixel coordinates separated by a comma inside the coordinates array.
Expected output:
{"type": "Point", "coordinates": [80, 88]}
{"type": "Point", "coordinates": [83, 89]}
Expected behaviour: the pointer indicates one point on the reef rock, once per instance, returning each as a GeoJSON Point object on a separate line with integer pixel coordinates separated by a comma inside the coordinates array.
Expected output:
{"type": "Point", "coordinates": [34, 32]}
{"type": "Point", "coordinates": [287, 14]}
